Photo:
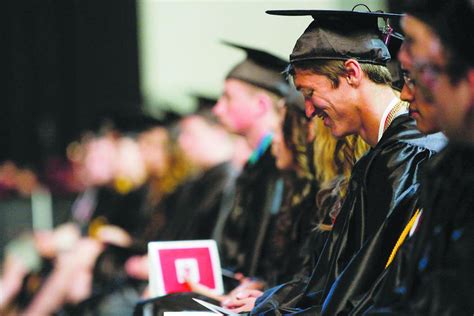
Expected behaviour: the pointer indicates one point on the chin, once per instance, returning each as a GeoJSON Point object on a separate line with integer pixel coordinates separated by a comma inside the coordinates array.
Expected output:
{"type": "Point", "coordinates": [424, 129]}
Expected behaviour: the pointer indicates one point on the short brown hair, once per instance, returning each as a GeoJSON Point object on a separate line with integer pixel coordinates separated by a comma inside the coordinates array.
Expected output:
{"type": "Point", "coordinates": [333, 69]}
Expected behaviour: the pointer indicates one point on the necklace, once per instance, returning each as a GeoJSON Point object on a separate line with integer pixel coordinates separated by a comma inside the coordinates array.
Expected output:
{"type": "Point", "coordinates": [401, 105]}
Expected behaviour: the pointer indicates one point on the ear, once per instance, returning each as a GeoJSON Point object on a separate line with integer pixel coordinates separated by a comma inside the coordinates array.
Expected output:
{"type": "Point", "coordinates": [264, 103]}
{"type": "Point", "coordinates": [354, 72]}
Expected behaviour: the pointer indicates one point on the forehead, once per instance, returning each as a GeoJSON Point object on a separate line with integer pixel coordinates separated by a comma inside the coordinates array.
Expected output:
{"type": "Point", "coordinates": [235, 86]}
{"type": "Point", "coordinates": [422, 40]}
{"type": "Point", "coordinates": [414, 28]}
{"type": "Point", "coordinates": [306, 78]}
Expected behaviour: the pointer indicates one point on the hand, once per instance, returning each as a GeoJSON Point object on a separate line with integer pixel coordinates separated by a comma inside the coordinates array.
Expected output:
{"type": "Point", "coordinates": [247, 284]}
{"type": "Point", "coordinates": [243, 301]}
{"type": "Point", "coordinates": [137, 267]}
{"type": "Point", "coordinates": [204, 290]}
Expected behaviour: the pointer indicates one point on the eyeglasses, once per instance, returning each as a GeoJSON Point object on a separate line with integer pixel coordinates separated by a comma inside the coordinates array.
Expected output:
{"type": "Point", "coordinates": [428, 73]}
{"type": "Point", "coordinates": [409, 81]}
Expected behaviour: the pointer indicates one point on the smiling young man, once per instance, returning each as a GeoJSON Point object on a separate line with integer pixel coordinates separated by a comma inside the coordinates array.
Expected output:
{"type": "Point", "coordinates": [339, 64]}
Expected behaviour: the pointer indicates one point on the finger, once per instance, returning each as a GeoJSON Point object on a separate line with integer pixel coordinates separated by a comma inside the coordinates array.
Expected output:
{"type": "Point", "coordinates": [254, 293]}
{"type": "Point", "coordinates": [239, 276]}
{"type": "Point", "coordinates": [203, 290]}
{"type": "Point", "coordinates": [233, 303]}
{"type": "Point", "coordinates": [247, 307]}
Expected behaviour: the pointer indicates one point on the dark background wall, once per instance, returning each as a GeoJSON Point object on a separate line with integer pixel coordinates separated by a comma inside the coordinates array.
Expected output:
{"type": "Point", "coordinates": [63, 64]}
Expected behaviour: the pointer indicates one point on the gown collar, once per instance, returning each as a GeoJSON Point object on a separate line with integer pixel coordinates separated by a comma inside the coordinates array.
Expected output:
{"type": "Point", "coordinates": [394, 109]}
{"type": "Point", "coordinates": [261, 148]}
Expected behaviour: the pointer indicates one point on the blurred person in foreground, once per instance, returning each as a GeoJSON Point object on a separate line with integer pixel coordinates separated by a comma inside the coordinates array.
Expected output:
{"type": "Point", "coordinates": [437, 255]}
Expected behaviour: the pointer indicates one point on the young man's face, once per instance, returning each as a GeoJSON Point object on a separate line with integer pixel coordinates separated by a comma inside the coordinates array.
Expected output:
{"type": "Point", "coordinates": [330, 104]}
{"type": "Point", "coordinates": [423, 112]}
{"type": "Point", "coordinates": [420, 44]}
{"type": "Point", "coordinates": [153, 147]}
{"type": "Point", "coordinates": [236, 106]}
{"type": "Point", "coordinates": [453, 101]}
{"type": "Point", "coordinates": [424, 56]}
{"type": "Point", "coordinates": [198, 139]}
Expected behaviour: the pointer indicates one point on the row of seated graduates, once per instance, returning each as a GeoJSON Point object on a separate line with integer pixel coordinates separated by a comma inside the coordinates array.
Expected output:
{"type": "Point", "coordinates": [278, 221]}
{"type": "Point", "coordinates": [382, 195]}
{"type": "Point", "coordinates": [188, 212]}
{"type": "Point", "coordinates": [179, 201]}
{"type": "Point", "coordinates": [268, 257]}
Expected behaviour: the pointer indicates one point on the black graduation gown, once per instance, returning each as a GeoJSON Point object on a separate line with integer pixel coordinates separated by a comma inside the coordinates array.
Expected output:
{"type": "Point", "coordinates": [432, 272]}
{"type": "Point", "coordinates": [196, 206]}
{"type": "Point", "coordinates": [257, 199]}
{"type": "Point", "coordinates": [382, 196]}
{"type": "Point", "coordinates": [191, 212]}
{"type": "Point", "coordinates": [283, 256]}
{"type": "Point", "coordinates": [123, 210]}
{"type": "Point", "coordinates": [246, 230]}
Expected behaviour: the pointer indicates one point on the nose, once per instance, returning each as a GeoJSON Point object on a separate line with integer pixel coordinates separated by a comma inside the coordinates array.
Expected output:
{"type": "Point", "coordinates": [407, 94]}
{"type": "Point", "coordinates": [217, 109]}
{"type": "Point", "coordinates": [310, 110]}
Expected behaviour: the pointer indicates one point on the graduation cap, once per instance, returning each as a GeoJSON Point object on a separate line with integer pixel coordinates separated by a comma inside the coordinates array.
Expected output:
{"type": "Point", "coordinates": [261, 69]}
{"type": "Point", "coordinates": [341, 35]}
{"type": "Point", "coordinates": [133, 122]}
{"type": "Point", "coordinates": [204, 105]}
{"type": "Point", "coordinates": [124, 122]}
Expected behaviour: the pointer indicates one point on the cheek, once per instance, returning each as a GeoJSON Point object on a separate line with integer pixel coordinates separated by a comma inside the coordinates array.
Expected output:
{"type": "Point", "coordinates": [446, 101]}
{"type": "Point", "coordinates": [428, 117]}
{"type": "Point", "coordinates": [429, 112]}
{"type": "Point", "coordinates": [446, 117]}
{"type": "Point", "coordinates": [239, 117]}
{"type": "Point", "coordinates": [342, 114]}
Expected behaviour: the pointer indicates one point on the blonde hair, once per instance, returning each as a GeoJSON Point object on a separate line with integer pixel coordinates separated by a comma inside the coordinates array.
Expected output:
{"type": "Point", "coordinates": [178, 171]}
{"type": "Point", "coordinates": [334, 159]}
